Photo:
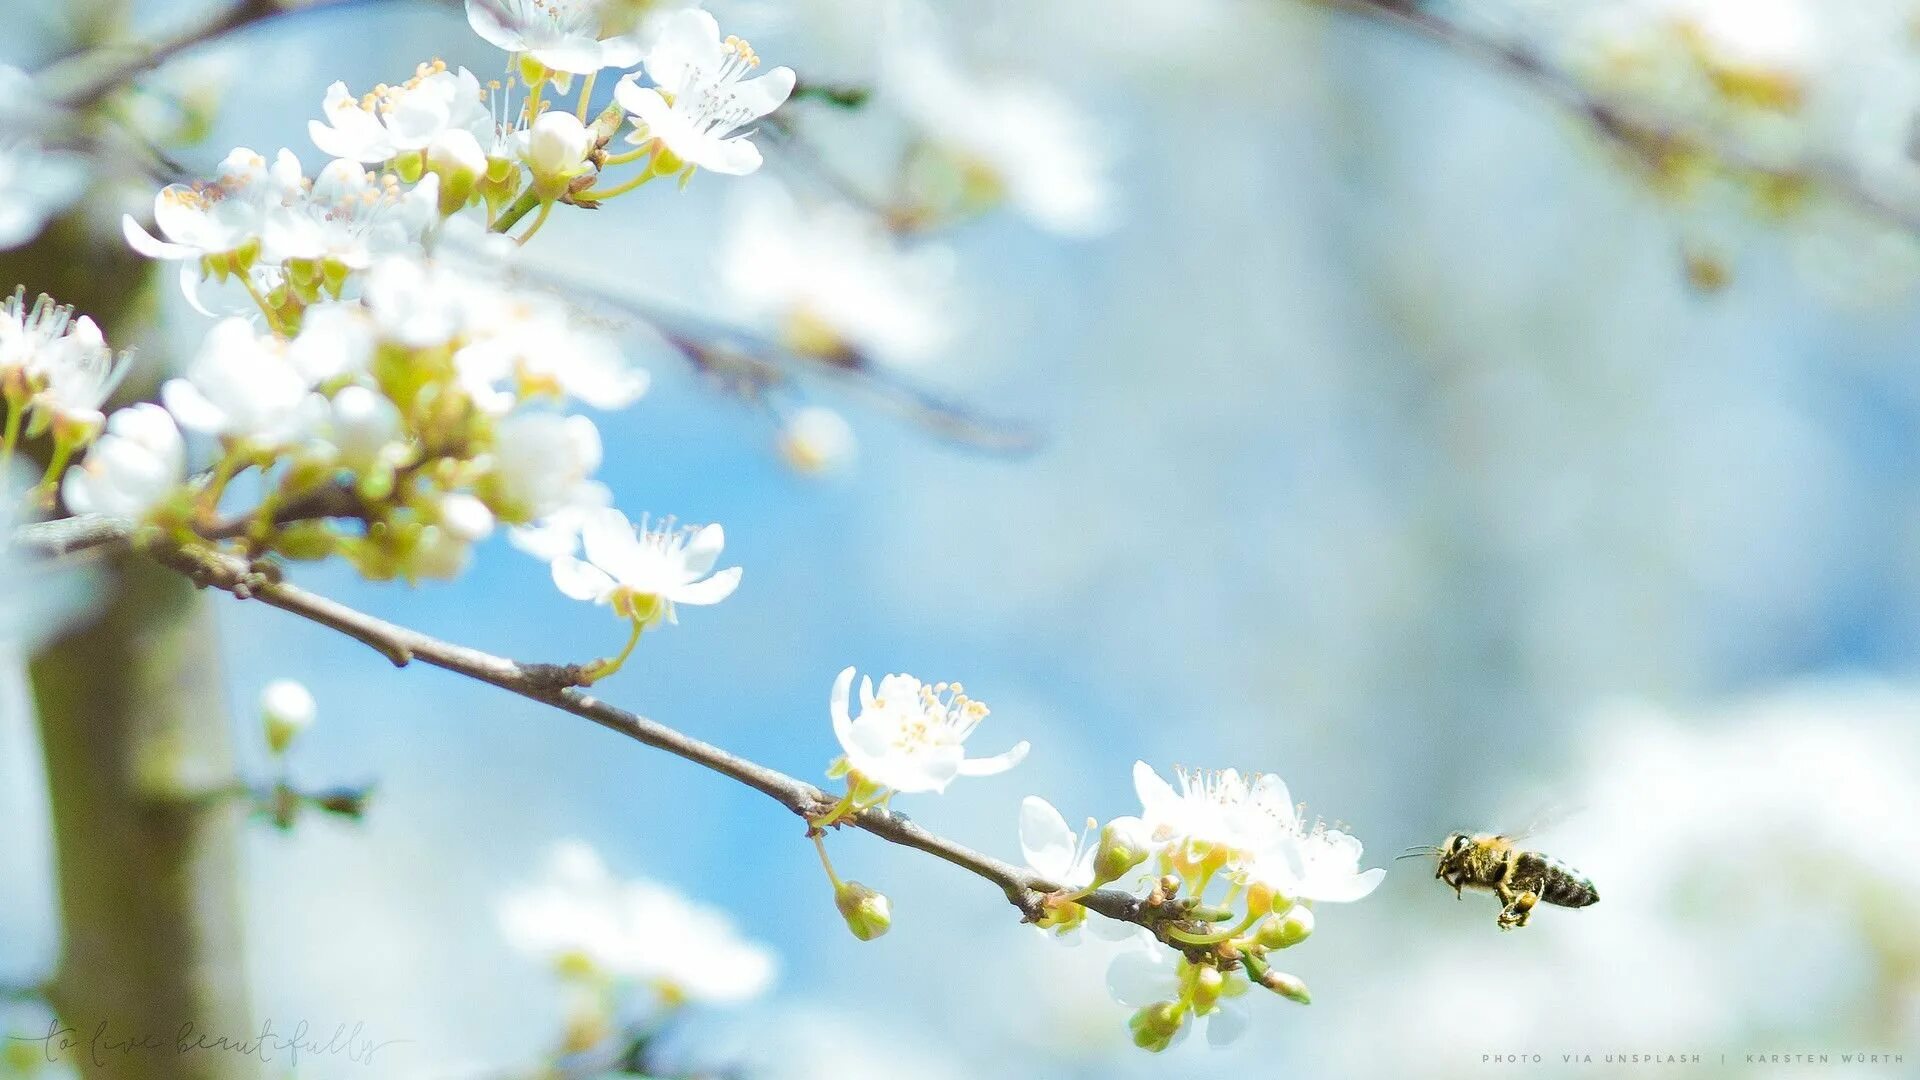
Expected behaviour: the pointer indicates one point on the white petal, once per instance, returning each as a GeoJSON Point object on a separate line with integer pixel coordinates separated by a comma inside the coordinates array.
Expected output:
{"type": "Point", "coordinates": [711, 591]}
{"type": "Point", "coordinates": [999, 763]}
{"type": "Point", "coordinates": [607, 536]}
{"type": "Point", "coordinates": [581, 581]}
{"type": "Point", "coordinates": [1141, 977]}
{"type": "Point", "coordinates": [837, 704]}
{"type": "Point", "coordinates": [1342, 890]}
{"type": "Point", "coordinates": [144, 242]}
{"type": "Point", "coordinates": [1045, 841]}
{"type": "Point", "coordinates": [1228, 1021]}
{"type": "Point", "coordinates": [704, 549]}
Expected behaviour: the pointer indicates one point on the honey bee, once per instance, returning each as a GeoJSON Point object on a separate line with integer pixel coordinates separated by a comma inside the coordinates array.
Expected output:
{"type": "Point", "coordinates": [1520, 878]}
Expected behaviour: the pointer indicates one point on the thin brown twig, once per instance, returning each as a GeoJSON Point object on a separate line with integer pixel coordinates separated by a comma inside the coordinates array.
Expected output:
{"type": "Point", "coordinates": [557, 685]}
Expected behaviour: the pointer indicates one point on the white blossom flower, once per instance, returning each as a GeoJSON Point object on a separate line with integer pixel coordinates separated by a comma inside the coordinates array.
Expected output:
{"type": "Point", "coordinates": [431, 107]}
{"type": "Point", "coordinates": [831, 280]}
{"type": "Point", "coordinates": [911, 737]}
{"type": "Point", "coordinates": [646, 573]}
{"type": "Point", "coordinates": [576, 36]}
{"type": "Point", "coordinates": [701, 97]}
{"type": "Point", "coordinates": [1210, 811]}
{"type": "Point", "coordinates": [362, 430]}
{"type": "Point", "coordinates": [336, 341]}
{"type": "Point", "coordinates": [215, 218]}
{"type": "Point", "coordinates": [539, 343]}
{"type": "Point", "coordinates": [64, 361]}
{"type": "Point", "coordinates": [635, 930]}
{"type": "Point", "coordinates": [1022, 135]}
{"type": "Point", "coordinates": [242, 386]}
{"type": "Point", "coordinates": [136, 465]}
{"type": "Point", "coordinates": [417, 302]}
{"type": "Point", "coordinates": [349, 216]}
{"type": "Point", "coordinates": [36, 182]}
{"type": "Point", "coordinates": [1315, 864]}
{"type": "Point", "coordinates": [538, 461]}
{"type": "Point", "coordinates": [1147, 973]}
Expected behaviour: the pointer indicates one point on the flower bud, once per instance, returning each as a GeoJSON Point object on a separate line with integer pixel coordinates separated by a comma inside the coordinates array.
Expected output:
{"type": "Point", "coordinates": [556, 151]}
{"type": "Point", "coordinates": [304, 541]}
{"type": "Point", "coordinates": [816, 440]}
{"type": "Point", "coordinates": [456, 158]}
{"type": "Point", "coordinates": [288, 709]}
{"type": "Point", "coordinates": [1124, 844]}
{"type": "Point", "coordinates": [1207, 983]}
{"type": "Point", "coordinates": [1287, 986]}
{"type": "Point", "coordinates": [868, 912]}
{"type": "Point", "coordinates": [1155, 1026]}
{"type": "Point", "coordinates": [1287, 931]}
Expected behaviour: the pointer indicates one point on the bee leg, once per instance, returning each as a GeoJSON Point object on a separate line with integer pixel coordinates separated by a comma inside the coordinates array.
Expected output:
{"type": "Point", "coordinates": [1517, 910]}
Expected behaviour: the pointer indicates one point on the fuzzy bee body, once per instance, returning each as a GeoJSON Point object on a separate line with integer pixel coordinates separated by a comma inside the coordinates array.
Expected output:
{"type": "Point", "coordinates": [1520, 878]}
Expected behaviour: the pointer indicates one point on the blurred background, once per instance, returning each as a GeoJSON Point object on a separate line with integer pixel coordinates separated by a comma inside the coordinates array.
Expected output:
{"type": "Point", "coordinates": [1399, 433]}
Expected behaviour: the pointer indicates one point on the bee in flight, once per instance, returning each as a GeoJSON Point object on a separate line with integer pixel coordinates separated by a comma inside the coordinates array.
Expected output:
{"type": "Point", "coordinates": [1520, 878]}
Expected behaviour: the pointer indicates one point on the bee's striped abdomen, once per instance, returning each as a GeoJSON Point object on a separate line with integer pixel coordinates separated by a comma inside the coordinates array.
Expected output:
{"type": "Point", "coordinates": [1563, 886]}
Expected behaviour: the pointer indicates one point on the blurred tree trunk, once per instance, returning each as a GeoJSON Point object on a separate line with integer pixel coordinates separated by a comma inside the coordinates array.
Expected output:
{"type": "Point", "coordinates": [135, 733]}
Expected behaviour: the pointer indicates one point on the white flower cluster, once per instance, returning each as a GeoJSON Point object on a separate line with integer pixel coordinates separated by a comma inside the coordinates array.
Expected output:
{"type": "Point", "coordinates": [1235, 873]}
{"type": "Point", "coordinates": [397, 395]}
{"type": "Point", "coordinates": [1228, 868]}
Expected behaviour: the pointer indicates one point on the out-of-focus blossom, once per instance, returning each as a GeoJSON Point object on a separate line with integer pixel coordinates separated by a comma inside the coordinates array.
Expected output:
{"type": "Point", "coordinates": [1214, 811]}
{"type": "Point", "coordinates": [634, 930]}
{"type": "Point", "coordinates": [575, 36]}
{"type": "Point", "coordinates": [539, 461]}
{"type": "Point", "coordinates": [831, 281]}
{"type": "Point", "coordinates": [136, 465]}
{"type": "Point", "coordinates": [817, 440]}
{"type": "Point", "coordinates": [61, 362]}
{"type": "Point", "coordinates": [701, 97]}
{"type": "Point", "coordinates": [556, 535]}
{"type": "Point", "coordinates": [242, 386]}
{"type": "Point", "coordinates": [1017, 136]}
{"type": "Point", "coordinates": [36, 181]}
{"type": "Point", "coordinates": [910, 736]}
{"type": "Point", "coordinates": [645, 573]}
{"type": "Point", "coordinates": [287, 708]}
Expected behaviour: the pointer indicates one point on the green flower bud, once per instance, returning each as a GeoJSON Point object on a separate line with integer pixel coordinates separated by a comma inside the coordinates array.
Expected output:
{"type": "Point", "coordinates": [868, 912]}
{"type": "Point", "coordinates": [1124, 844]}
{"type": "Point", "coordinates": [1206, 984]}
{"type": "Point", "coordinates": [1287, 931]}
{"type": "Point", "coordinates": [288, 709]}
{"type": "Point", "coordinates": [1155, 1026]}
{"type": "Point", "coordinates": [1287, 986]}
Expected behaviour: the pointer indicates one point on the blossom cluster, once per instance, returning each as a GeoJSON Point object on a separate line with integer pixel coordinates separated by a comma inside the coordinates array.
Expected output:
{"type": "Point", "coordinates": [379, 375]}
{"type": "Point", "coordinates": [1225, 866]}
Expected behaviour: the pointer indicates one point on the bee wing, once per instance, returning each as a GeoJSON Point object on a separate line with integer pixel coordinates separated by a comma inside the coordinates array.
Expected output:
{"type": "Point", "coordinates": [1546, 819]}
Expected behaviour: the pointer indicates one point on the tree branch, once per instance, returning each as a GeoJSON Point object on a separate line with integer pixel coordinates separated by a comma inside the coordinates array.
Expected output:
{"type": "Point", "coordinates": [98, 72]}
{"type": "Point", "coordinates": [1638, 130]}
{"type": "Point", "coordinates": [557, 685]}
